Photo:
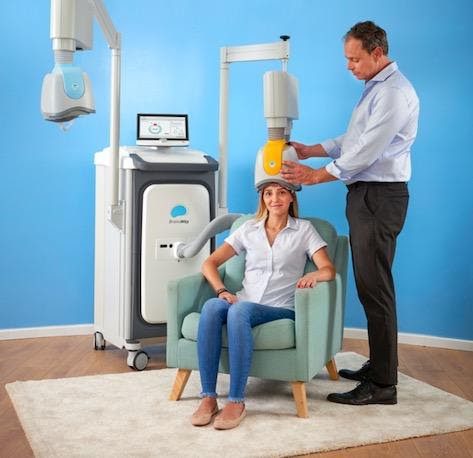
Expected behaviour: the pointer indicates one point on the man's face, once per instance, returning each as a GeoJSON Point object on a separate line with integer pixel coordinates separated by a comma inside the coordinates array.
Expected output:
{"type": "Point", "coordinates": [361, 63]}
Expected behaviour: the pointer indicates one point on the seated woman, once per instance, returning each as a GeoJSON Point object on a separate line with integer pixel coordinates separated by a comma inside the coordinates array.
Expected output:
{"type": "Point", "coordinates": [277, 245]}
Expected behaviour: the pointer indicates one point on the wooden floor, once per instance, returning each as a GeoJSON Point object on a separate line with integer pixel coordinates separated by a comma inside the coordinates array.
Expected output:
{"type": "Point", "coordinates": [55, 357]}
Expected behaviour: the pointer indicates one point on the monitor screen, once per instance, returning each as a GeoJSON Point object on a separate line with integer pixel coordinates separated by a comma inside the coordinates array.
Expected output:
{"type": "Point", "coordinates": [161, 128]}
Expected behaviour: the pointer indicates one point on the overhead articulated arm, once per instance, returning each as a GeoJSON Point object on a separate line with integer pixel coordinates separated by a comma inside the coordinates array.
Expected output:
{"type": "Point", "coordinates": [248, 53]}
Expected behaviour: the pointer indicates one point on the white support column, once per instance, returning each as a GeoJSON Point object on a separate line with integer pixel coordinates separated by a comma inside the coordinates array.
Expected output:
{"type": "Point", "coordinates": [115, 211]}
{"type": "Point", "coordinates": [115, 118]}
{"type": "Point", "coordinates": [223, 136]}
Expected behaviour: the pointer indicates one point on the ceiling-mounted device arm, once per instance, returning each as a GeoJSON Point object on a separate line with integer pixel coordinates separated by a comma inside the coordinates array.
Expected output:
{"type": "Point", "coordinates": [106, 24]}
{"type": "Point", "coordinates": [67, 90]}
{"type": "Point", "coordinates": [248, 53]}
{"type": "Point", "coordinates": [278, 50]}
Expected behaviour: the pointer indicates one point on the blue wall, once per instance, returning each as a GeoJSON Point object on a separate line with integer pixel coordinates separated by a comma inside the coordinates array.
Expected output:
{"type": "Point", "coordinates": [170, 64]}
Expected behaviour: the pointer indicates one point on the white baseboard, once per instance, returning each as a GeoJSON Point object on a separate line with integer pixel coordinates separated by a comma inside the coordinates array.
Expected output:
{"type": "Point", "coordinates": [46, 331]}
{"type": "Point", "coordinates": [350, 333]}
{"type": "Point", "coordinates": [416, 339]}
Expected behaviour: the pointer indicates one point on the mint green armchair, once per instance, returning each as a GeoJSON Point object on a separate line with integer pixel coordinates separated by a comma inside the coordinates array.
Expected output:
{"type": "Point", "coordinates": [293, 351]}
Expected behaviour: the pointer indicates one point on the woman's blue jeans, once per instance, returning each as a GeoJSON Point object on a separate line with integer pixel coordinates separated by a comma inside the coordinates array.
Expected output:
{"type": "Point", "coordinates": [239, 318]}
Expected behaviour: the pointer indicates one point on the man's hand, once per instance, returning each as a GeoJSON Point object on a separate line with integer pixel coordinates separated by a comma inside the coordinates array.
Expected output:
{"type": "Point", "coordinates": [303, 151]}
{"type": "Point", "coordinates": [301, 174]}
{"type": "Point", "coordinates": [297, 173]}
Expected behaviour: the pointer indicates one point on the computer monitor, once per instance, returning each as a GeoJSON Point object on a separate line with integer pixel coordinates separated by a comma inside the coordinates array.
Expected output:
{"type": "Point", "coordinates": [162, 130]}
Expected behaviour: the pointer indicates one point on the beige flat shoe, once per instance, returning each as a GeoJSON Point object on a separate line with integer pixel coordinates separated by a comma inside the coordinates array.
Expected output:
{"type": "Point", "coordinates": [202, 419]}
{"type": "Point", "coordinates": [220, 423]}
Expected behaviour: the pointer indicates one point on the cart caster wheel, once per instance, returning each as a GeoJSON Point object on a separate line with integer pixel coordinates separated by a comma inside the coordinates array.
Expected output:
{"type": "Point", "coordinates": [140, 360]}
{"type": "Point", "coordinates": [99, 341]}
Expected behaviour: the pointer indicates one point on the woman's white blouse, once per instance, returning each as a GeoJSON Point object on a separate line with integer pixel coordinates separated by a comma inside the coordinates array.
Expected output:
{"type": "Point", "coordinates": [271, 272]}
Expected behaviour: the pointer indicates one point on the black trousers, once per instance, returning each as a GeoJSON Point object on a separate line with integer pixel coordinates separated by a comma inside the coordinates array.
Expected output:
{"type": "Point", "coordinates": [376, 212]}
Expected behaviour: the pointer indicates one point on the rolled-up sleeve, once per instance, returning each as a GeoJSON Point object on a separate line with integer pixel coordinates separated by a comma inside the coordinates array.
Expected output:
{"type": "Point", "coordinates": [333, 146]}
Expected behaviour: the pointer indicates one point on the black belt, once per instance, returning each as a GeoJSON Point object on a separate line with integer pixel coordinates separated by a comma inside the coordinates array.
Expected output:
{"type": "Point", "coordinates": [359, 184]}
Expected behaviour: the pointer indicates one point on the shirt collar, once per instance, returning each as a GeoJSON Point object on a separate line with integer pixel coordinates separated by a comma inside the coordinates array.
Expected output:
{"type": "Point", "coordinates": [385, 73]}
{"type": "Point", "coordinates": [291, 223]}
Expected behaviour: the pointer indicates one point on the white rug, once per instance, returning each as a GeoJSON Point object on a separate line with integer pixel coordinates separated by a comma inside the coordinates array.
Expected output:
{"type": "Point", "coordinates": [129, 415]}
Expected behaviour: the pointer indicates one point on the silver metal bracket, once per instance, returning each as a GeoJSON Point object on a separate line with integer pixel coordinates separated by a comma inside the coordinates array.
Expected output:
{"type": "Point", "coordinates": [116, 215]}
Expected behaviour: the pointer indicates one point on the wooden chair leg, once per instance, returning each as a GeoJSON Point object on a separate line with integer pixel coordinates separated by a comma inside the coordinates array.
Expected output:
{"type": "Point", "coordinates": [300, 398]}
{"type": "Point", "coordinates": [179, 384]}
{"type": "Point", "coordinates": [332, 369]}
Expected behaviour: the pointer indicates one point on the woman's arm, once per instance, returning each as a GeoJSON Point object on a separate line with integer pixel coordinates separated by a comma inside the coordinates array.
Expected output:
{"type": "Point", "coordinates": [210, 270]}
{"type": "Point", "coordinates": [325, 270]}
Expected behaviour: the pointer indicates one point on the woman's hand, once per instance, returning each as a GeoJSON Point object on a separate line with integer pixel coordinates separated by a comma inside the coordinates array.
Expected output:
{"type": "Point", "coordinates": [229, 297]}
{"type": "Point", "coordinates": [307, 281]}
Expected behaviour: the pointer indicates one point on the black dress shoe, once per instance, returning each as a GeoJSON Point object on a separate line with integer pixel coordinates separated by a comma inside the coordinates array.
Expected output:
{"type": "Point", "coordinates": [365, 393]}
{"type": "Point", "coordinates": [359, 375]}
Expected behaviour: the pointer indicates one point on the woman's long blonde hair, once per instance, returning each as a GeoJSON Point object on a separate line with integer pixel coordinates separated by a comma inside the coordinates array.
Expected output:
{"type": "Point", "coordinates": [262, 211]}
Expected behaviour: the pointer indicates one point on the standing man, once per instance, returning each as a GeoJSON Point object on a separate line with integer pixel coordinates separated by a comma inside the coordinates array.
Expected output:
{"type": "Point", "coordinates": [373, 159]}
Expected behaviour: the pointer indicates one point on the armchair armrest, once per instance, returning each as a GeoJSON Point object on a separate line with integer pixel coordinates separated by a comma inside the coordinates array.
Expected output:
{"type": "Point", "coordinates": [185, 295]}
{"type": "Point", "coordinates": [318, 325]}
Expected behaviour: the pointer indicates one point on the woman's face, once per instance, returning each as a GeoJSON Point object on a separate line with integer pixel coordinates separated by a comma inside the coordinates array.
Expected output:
{"type": "Point", "coordinates": [277, 199]}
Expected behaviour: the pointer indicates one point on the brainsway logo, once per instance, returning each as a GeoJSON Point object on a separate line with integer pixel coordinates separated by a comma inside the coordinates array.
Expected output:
{"type": "Point", "coordinates": [177, 214]}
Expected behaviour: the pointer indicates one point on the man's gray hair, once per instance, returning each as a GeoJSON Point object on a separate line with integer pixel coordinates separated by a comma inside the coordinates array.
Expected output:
{"type": "Point", "coordinates": [370, 35]}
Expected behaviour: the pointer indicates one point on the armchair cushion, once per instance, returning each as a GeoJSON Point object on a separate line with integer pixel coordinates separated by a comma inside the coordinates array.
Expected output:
{"type": "Point", "coordinates": [275, 335]}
